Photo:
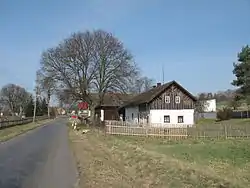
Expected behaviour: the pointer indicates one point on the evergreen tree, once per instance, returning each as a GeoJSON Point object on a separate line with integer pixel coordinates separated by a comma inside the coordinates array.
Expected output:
{"type": "Point", "coordinates": [30, 108]}
{"type": "Point", "coordinates": [39, 110]}
{"type": "Point", "coordinates": [44, 106]}
{"type": "Point", "coordinates": [242, 72]}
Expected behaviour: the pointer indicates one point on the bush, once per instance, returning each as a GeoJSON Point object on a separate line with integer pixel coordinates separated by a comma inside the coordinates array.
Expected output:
{"type": "Point", "coordinates": [224, 114]}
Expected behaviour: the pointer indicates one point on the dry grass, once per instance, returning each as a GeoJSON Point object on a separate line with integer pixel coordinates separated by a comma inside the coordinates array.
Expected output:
{"type": "Point", "coordinates": [8, 133]}
{"type": "Point", "coordinates": [113, 161]}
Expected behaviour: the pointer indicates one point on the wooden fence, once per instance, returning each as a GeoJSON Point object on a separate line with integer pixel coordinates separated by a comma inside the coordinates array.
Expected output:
{"type": "Point", "coordinates": [11, 123]}
{"type": "Point", "coordinates": [176, 132]}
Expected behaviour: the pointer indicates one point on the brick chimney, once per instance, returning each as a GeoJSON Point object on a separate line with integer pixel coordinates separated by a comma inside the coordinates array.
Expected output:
{"type": "Point", "coordinates": [158, 84]}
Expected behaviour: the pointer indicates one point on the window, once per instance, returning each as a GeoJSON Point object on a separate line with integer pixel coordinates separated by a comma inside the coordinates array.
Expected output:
{"type": "Point", "coordinates": [166, 119]}
{"type": "Point", "coordinates": [167, 99]}
{"type": "Point", "coordinates": [132, 116]}
{"type": "Point", "coordinates": [180, 119]}
{"type": "Point", "coordinates": [177, 99]}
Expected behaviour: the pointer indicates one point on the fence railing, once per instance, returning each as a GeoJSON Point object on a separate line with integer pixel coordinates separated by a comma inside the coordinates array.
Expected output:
{"type": "Point", "coordinates": [204, 131]}
{"type": "Point", "coordinates": [11, 123]}
{"type": "Point", "coordinates": [135, 124]}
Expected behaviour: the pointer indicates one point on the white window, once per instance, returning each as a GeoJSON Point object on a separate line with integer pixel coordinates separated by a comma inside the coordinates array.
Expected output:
{"type": "Point", "coordinates": [167, 99]}
{"type": "Point", "coordinates": [166, 119]}
{"type": "Point", "coordinates": [180, 119]}
{"type": "Point", "coordinates": [177, 99]}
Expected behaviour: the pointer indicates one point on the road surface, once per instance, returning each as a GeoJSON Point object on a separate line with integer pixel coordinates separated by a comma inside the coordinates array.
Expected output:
{"type": "Point", "coordinates": [38, 159]}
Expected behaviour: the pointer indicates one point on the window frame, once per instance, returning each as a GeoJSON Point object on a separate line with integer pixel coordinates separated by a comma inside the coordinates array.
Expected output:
{"type": "Point", "coordinates": [179, 99]}
{"type": "Point", "coordinates": [167, 99]}
{"type": "Point", "coordinates": [166, 116]}
{"type": "Point", "coordinates": [180, 117]}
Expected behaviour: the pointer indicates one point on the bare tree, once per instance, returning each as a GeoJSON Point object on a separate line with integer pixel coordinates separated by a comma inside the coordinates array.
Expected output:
{"type": "Point", "coordinates": [141, 84]}
{"type": "Point", "coordinates": [115, 65]}
{"type": "Point", "coordinates": [87, 62]}
{"type": "Point", "coordinates": [14, 97]}
{"type": "Point", "coordinates": [47, 86]}
{"type": "Point", "coordinates": [70, 65]}
{"type": "Point", "coordinates": [201, 106]}
{"type": "Point", "coordinates": [64, 97]}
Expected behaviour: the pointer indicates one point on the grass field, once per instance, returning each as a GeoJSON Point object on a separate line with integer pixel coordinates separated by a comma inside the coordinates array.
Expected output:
{"type": "Point", "coordinates": [118, 161]}
{"type": "Point", "coordinates": [8, 133]}
{"type": "Point", "coordinates": [222, 104]}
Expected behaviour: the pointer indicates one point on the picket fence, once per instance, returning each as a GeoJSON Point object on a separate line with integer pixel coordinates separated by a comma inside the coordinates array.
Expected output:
{"type": "Point", "coordinates": [177, 131]}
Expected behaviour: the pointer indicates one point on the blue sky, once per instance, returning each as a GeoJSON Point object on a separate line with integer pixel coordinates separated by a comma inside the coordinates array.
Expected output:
{"type": "Point", "coordinates": [196, 40]}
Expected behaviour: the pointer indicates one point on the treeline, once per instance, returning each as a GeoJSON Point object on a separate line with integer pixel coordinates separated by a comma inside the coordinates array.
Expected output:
{"type": "Point", "coordinates": [17, 101]}
{"type": "Point", "coordinates": [220, 96]}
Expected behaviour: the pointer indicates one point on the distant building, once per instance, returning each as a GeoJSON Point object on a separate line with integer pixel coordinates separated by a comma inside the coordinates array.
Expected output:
{"type": "Point", "coordinates": [210, 105]}
{"type": "Point", "coordinates": [110, 108]}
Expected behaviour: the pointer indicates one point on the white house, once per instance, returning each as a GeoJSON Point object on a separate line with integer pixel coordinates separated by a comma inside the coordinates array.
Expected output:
{"type": "Point", "coordinates": [164, 105]}
{"type": "Point", "coordinates": [210, 105]}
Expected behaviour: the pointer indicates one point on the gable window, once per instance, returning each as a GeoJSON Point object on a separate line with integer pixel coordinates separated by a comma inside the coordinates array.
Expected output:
{"type": "Point", "coordinates": [167, 99]}
{"type": "Point", "coordinates": [177, 99]}
{"type": "Point", "coordinates": [167, 119]}
{"type": "Point", "coordinates": [180, 119]}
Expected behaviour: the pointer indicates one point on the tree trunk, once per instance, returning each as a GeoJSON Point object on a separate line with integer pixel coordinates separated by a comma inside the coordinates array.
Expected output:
{"type": "Point", "coordinates": [48, 98]}
{"type": "Point", "coordinates": [92, 115]}
{"type": "Point", "coordinates": [34, 112]}
{"type": "Point", "coordinates": [20, 111]}
{"type": "Point", "coordinates": [48, 111]}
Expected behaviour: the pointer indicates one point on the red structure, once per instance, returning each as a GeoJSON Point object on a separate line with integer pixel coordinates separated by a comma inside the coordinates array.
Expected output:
{"type": "Point", "coordinates": [83, 105]}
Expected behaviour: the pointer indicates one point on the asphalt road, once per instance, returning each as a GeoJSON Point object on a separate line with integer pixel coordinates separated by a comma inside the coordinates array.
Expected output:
{"type": "Point", "coordinates": [38, 159]}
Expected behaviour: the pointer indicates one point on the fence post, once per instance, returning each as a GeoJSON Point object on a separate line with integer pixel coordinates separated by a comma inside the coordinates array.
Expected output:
{"type": "Point", "coordinates": [225, 130]}
{"type": "Point", "coordinates": [109, 130]}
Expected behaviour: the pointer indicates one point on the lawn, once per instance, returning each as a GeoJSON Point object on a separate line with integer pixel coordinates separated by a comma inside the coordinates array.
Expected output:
{"type": "Point", "coordinates": [8, 133]}
{"type": "Point", "coordinates": [119, 161]}
{"type": "Point", "coordinates": [222, 104]}
{"type": "Point", "coordinates": [235, 122]}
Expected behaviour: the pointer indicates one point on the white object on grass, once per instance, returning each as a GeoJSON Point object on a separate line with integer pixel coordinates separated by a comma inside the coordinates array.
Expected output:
{"type": "Point", "coordinates": [85, 131]}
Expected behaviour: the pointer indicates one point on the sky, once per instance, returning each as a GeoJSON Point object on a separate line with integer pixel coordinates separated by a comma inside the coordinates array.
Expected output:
{"type": "Point", "coordinates": [196, 41]}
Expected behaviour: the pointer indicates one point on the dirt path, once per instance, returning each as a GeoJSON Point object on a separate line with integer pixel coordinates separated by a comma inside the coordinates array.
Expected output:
{"type": "Point", "coordinates": [40, 158]}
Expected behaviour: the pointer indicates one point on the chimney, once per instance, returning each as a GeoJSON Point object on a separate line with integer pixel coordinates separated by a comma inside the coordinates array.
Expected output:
{"type": "Point", "coordinates": [158, 84]}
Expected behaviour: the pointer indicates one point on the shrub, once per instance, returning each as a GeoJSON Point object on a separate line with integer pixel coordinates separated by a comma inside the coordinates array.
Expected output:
{"type": "Point", "coordinates": [224, 114]}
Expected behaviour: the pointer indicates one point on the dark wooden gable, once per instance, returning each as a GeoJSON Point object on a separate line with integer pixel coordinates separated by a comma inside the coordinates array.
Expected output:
{"type": "Point", "coordinates": [186, 99]}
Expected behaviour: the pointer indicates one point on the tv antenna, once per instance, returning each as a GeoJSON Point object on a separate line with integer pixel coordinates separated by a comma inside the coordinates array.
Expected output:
{"type": "Point", "coordinates": [162, 74]}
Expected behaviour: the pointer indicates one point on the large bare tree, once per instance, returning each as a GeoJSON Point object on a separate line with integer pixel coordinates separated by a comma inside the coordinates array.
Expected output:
{"type": "Point", "coordinates": [89, 62]}
{"type": "Point", "coordinates": [14, 97]}
{"type": "Point", "coordinates": [70, 64]}
{"type": "Point", "coordinates": [114, 63]}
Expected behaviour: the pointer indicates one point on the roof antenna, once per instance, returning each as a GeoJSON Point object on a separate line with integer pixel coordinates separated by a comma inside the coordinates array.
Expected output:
{"type": "Point", "coordinates": [162, 74]}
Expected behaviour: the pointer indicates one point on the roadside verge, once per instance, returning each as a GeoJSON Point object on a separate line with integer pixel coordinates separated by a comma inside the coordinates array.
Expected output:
{"type": "Point", "coordinates": [11, 132]}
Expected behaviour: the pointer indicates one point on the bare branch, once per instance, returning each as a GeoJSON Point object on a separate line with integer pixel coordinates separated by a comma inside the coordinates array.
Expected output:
{"type": "Point", "coordinates": [115, 65]}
